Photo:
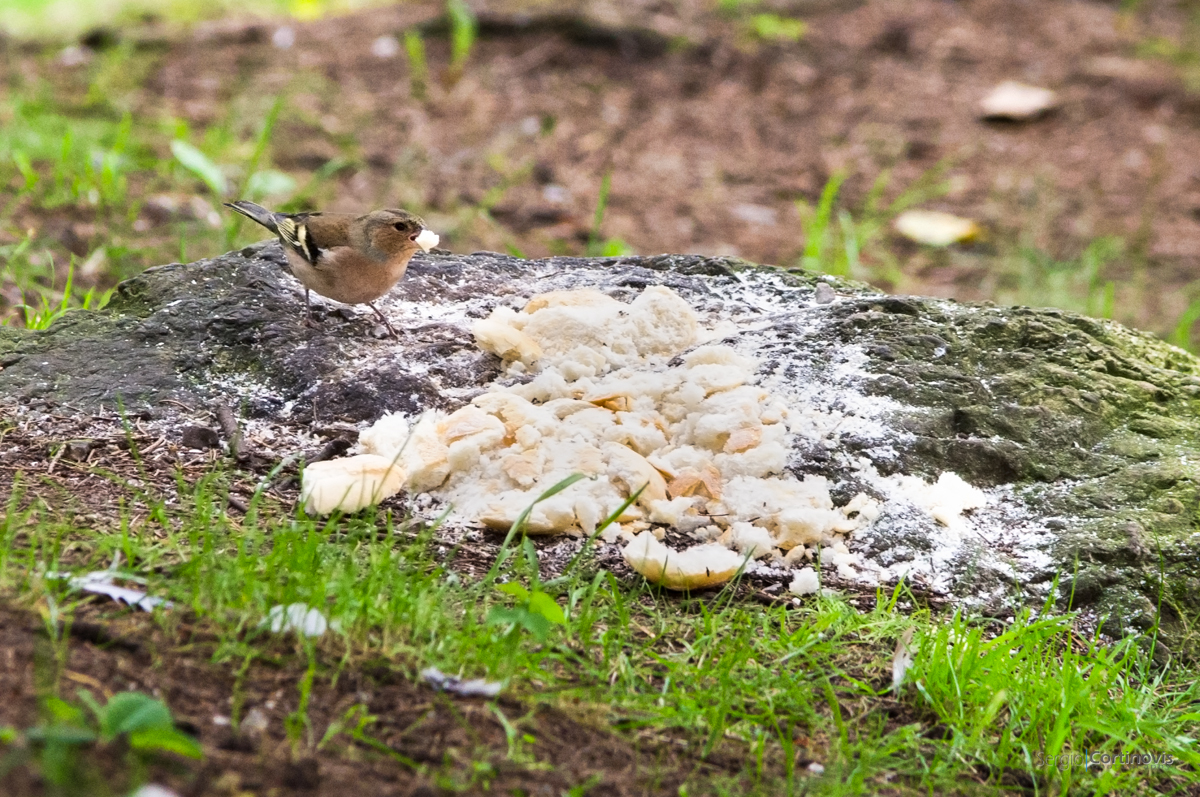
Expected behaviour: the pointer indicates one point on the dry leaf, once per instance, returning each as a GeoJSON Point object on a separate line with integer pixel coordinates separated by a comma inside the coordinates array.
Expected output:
{"type": "Point", "coordinates": [935, 228]}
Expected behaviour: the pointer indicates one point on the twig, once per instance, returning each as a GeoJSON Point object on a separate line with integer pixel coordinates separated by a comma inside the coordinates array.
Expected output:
{"type": "Point", "coordinates": [57, 455]}
{"type": "Point", "coordinates": [768, 599]}
{"type": "Point", "coordinates": [331, 450]}
{"type": "Point", "coordinates": [232, 430]}
{"type": "Point", "coordinates": [179, 404]}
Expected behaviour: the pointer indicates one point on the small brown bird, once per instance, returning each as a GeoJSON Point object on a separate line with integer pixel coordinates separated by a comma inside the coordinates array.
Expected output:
{"type": "Point", "coordinates": [350, 259]}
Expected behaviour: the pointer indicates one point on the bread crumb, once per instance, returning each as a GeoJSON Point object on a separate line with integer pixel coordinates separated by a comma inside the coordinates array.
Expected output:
{"type": "Point", "coordinates": [696, 568]}
{"type": "Point", "coordinates": [349, 484]}
{"type": "Point", "coordinates": [805, 581]}
{"type": "Point", "coordinates": [945, 500]}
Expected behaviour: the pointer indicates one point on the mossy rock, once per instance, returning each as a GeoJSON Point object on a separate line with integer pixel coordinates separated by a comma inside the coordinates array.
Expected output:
{"type": "Point", "coordinates": [1085, 433]}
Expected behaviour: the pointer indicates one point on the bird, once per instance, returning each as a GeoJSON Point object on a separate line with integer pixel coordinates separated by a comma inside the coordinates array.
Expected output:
{"type": "Point", "coordinates": [347, 258]}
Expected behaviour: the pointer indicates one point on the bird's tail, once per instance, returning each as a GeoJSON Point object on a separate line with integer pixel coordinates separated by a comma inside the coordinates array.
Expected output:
{"type": "Point", "coordinates": [256, 213]}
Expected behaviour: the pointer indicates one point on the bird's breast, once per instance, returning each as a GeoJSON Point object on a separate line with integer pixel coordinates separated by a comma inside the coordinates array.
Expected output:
{"type": "Point", "coordinates": [345, 275]}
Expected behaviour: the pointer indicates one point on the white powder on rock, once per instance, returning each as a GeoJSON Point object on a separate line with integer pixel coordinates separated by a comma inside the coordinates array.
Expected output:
{"type": "Point", "coordinates": [945, 500]}
{"type": "Point", "coordinates": [642, 395]}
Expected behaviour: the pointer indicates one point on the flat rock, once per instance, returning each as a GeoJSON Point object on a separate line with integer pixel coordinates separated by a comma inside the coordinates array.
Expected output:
{"type": "Point", "coordinates": [1082, 433]}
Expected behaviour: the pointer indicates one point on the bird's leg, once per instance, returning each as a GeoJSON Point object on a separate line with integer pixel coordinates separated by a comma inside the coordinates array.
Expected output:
{"type": "Point", "coordinates": [309, 321]}
{"type": "Point", "coordinates": [383, 318]}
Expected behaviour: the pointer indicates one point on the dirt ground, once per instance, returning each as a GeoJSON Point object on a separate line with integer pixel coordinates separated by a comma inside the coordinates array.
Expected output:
{"type": "Point", "coordinates": [427, 731]}
{"type": "Point", "coordinates": [711, 135]}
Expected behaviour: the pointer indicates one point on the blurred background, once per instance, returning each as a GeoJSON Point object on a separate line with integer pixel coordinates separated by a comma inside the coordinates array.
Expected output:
{"type": "Point", "coordinates": [801, 133]}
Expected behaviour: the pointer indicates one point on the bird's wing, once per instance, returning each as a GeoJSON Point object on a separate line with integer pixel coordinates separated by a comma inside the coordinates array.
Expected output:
{"type": "Point", "coordinates": [293, 231]}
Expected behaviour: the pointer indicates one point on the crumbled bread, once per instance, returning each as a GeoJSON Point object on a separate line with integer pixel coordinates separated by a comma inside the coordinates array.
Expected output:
{"type": "Point", "coordinates": [631, 469]}
{"type": "Point", "coordinates": [419, 450]}
{"type": "Point", "coordinates": [866, 507]}
{"type": "Point", "coordinates": [349, 484]}
{"type": "Point", "coordinates": [615, 391]}
{"type": "Point", "coordinates": [670, 512]}
{"type": "Point", "coordinates": [525, 467]}
{"type": "Point", "coordinates": [586, 332]}
{"type": "Point", "coordinates": [750, 540]}
{"type": "Point", "coordinates": [468, 422]}
{"type": "Point", "coordinates": [583, 297]}
{"type": "Point", "coordinates": [492, 334]}
{"type": "Point", "coordinates": [516, 412]}
{"type": "Point", "coordinates": [641, 432]}
{"type": "Point", "coordinates": [805, 581]}
{"type": "Point", "coordinates": [741, 439]}
{"type": "Point", "coordinates": [385, 437]}
{"type": "Point", "coordinates": [696, 568]}
{"type": "Point", "coordinates": [797, 554]}
{"type": "Point", "coordinates": [427, 240]}
{"type": "Point", "coordinates": [805, 525]}
{"type": "Point", "coordinates": [690, 482]}
{"type": "Point", "coordinates": [555, 514]}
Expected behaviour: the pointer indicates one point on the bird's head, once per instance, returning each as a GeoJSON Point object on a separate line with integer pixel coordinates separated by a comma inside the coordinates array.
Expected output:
{"type": "Point", "coordinates": [394, 231]}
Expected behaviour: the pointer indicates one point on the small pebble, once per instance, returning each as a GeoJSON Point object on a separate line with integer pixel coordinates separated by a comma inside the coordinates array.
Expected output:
{"type": "Point", "coordinates": [385, 47]}
{"type": "Point", "coordinates": [78, 450]}
{"type": "Point", "coordinates": [283, 38]}
{"type": "Point", "coordinates": [199, 437]}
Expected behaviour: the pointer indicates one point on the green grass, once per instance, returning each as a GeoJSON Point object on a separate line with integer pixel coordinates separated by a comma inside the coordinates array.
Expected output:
{"type": "Point", "coordinates": [463, 30]}
{"type": "Point", "coordinates": [597, 245]}
{"type": "Point", "coordinates": [45, 313]}
{"type": "Point", "coordinates": [983, 704]}
{"type": "Point", "coordinates": [857, 242]}
{"type": "Point", "coordinates": [77, 157]}
{"type": "Point", "coordinates": [838, 243]}
{"type": "Point", "coordinates": [136, 721]}
{"type": "Point", "coordinates": [67, 19]}
{"type": "Point", "coordinates": [418, 64]}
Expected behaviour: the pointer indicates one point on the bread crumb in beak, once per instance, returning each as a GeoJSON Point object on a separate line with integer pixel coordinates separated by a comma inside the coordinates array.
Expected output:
{"type": "Point", "coordinates": [427, 239]}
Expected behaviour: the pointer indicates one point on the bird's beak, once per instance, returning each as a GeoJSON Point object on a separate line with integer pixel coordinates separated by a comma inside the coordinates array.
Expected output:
{"type": "Point", "coordinates": [427, 239]}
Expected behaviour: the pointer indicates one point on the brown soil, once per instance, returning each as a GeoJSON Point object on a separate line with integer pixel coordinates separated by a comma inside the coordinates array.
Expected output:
{"type": "Point", "coordinates": [430, 733]}
{"type": "Point", "coordinates": [710, 135]}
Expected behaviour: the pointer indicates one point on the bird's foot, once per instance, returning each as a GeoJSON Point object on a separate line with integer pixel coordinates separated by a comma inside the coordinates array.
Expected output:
{"type": "Point", "coordinates": [383, 322]}
{"type": "Point", "coordinates": [380, 332]}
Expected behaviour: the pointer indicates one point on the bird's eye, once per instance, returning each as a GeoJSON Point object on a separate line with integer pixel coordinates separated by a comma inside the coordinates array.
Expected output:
{"type": "Point", "coordinates": [401, 226]}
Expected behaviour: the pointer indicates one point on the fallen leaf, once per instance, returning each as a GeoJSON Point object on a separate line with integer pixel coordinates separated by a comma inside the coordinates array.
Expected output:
{"type": "Point", "coordinates": [935, 228]}
{"type": "Point", "coordinates": [1017, 102]}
